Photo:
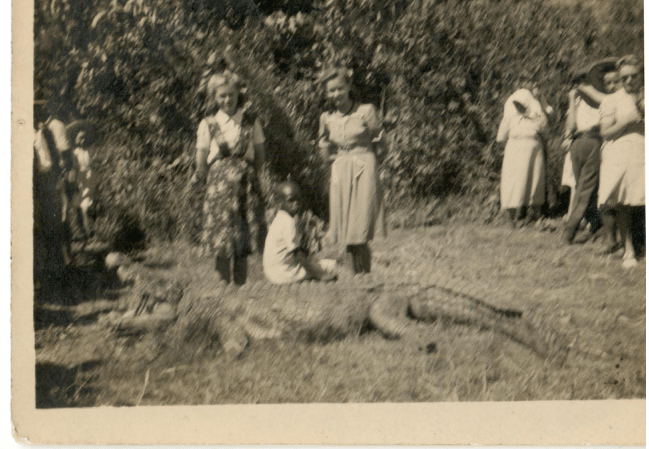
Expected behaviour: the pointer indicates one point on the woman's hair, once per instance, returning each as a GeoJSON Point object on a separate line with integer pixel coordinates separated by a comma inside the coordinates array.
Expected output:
{"type": "Point", "coordinates": [338, 72]}
{"type": "Point", "coordinates": [225, 78]}
{"type": "Point", "coordinates": [631, 60]}
{"type": "Point", "coordinates": [335, 72]}
{"type": "Point", "coordinates": [212, 81]}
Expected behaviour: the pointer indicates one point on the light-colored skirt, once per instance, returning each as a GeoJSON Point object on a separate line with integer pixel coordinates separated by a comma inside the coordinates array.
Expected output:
{"type": "Point", "coordinates": [568, 179]}
{"type": "Point", "coordinates": [356, 212]}
{"type": "Point", "coordinates": [522, 181]}
{"type": "Point", "coordinates": [621, 178]}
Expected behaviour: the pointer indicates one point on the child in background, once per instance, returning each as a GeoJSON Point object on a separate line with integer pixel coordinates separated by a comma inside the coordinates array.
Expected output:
{"type": "Point", "coordinates": [81, 133]}
{"type": "Point", "coordinates": [283, 260]}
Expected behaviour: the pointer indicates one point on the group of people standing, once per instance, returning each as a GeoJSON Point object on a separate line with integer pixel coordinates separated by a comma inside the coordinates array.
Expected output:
{"type": "Point", "coordinates": [604, 138]}
{"type": "Point", "coordinates": [64, 184]}
{"type": "Point", "coordinates": [604, 141]}
{"type": "Point", "coordinates": [230, 156]}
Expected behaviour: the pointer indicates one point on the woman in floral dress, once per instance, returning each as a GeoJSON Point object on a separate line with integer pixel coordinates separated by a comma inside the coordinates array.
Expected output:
{"type": "Point", "coordinates": [229, 153]}
{"type": "Point", "coordinates": [350, 137]}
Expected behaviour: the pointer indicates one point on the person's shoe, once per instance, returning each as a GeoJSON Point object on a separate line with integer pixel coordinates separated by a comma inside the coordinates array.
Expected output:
{"type": "Point", "coordinates": [609, 248]}
{"type": "Point", "coordinates": [629, 263]}
{"type": "Point", "coordinates": [597, 235]}
{"type": "Point", "coordinates": [328, 277]}
{"type": "Point", "coordinates": [567, 236]}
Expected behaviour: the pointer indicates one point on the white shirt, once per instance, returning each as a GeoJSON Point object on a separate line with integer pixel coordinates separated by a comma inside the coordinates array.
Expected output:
{"type": "Point", "coordinates": [280, 265]}
{"type": "Point", "coordinates": [586, 116]}
{"type": "Point", "coordinates": [83, 158]}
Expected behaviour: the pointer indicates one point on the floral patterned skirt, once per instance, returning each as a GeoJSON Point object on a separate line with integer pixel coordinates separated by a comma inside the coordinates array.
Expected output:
{"type": "Point", "coordinates": [233, 212]}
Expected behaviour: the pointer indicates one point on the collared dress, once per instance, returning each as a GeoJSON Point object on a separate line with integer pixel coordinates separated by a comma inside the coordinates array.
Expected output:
{"type": "Point", "coordinates": [622, 167]}
{"type": "Point", "coordinates": [233, 212]}
{"type": "Point", "coordinates": [522, 181]}
{"type": "Point", "coordinates": [356, 213]}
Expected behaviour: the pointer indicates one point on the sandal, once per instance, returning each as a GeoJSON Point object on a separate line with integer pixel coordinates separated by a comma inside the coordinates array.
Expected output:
{"type": "Point", "coordinates": [629, 263]}
{"type": "Point", "coordinates": [610, 248]}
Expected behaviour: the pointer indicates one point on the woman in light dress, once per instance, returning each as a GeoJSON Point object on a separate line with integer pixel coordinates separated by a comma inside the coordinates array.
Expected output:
{"type": "Point", "coordinates": [522, 183]}
{"type": "Point", "coordinates": [622, 185]}
{"type": "Point", "coordinates": [350, 138]}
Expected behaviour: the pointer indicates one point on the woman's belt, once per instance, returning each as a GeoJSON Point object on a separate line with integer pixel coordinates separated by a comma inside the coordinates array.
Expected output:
{"type": "Point", "coordinates": [535, 137]}
{"type": "Point", "coordinates": [352, 150]}
{"type": "Point", "coordinates": [594, 132]}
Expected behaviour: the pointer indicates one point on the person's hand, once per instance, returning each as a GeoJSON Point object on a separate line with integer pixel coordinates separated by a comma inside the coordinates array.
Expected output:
{"type": "Point", "coordinates": [324, 144]}
{"type": "Point", "coordinates": [631, 116]}
{"type": "Point", "coordinates": [198, 177]}
{"type": "Point", "coordinates": [572, 95]}
{"type": "Point", "coordinates": [640, 101]}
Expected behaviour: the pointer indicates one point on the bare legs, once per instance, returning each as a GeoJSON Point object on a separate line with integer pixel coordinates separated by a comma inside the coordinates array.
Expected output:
{"type": "Point", "coordinates": [624, 221]}
{"type": "Point", "coordinates": [619, 219]}
{"type": "Point", "coordinates": [609, 225]}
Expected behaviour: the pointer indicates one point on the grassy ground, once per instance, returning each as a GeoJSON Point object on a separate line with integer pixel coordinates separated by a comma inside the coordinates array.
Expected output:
{"type": "Point", "coordinates": [81, 362]}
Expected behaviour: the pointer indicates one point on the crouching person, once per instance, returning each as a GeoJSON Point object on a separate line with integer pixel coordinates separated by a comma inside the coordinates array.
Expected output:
{"type": "Point", "coordinates": [284, 261]}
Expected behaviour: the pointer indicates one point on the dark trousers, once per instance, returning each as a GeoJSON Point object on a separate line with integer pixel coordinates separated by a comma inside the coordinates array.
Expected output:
{"type": "Point", "coordinates": [585, 156]}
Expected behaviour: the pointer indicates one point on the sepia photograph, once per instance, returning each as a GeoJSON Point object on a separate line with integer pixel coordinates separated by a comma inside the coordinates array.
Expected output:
{"type": "Point", "coordinates": [341, 203]}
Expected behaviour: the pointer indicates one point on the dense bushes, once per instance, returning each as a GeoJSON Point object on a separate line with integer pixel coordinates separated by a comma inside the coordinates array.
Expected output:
{"type": "Point", "coordinates": [438, 70]}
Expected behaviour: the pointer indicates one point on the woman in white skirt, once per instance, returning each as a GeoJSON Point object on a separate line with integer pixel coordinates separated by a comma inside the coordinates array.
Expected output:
{"type": "Point", "coordinates": [622, 185]}
{"type": "Point", "coordinates": [522, 182]}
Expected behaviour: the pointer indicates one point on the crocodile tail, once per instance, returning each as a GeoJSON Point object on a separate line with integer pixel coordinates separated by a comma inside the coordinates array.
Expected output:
{"type": "Point", "coordinates": [463, 310]}
{"type": "Point", "coordinates": [389, 316]}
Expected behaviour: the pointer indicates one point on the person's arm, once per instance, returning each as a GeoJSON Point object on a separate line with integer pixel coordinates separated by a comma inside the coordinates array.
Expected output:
{"type": "Point", "coordinates": [503, 129]}
{"type": "Point", "coordinates": [375, 127]}
{"type": "Point", "coordinates": [324, 144]}
{"type": "Point", "coordinates": [203, 139]}
{"type": "Point", "coordinates": [571, 116]}
{"type": "Point", "coordinates": [43, 153]}
{"type": "Point", "coordinates": [610, 128]}
{"type": "Point", "coordinates": [61, 143]}
{"type": "Point", "coordinates": [259, 144]}
{"type": "Point", "coordinates": [547, 109]}
{"type": "Point", "coordinates": [613, 123]}
{"type": "Point", "coordinates": [591, 93]}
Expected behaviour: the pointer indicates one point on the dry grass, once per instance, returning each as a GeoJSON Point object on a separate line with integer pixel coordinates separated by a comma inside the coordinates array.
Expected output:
{"type": "Point", "coordinates": [571, 287]}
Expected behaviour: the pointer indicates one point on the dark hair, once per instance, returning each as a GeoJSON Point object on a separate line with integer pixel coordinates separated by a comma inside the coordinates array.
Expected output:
{"type": "Point", "coordinates": [40, 113]}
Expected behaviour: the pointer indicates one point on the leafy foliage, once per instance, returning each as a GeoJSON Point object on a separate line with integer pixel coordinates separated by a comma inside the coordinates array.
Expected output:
{"type": "Point", "coordinates": [438, 70]}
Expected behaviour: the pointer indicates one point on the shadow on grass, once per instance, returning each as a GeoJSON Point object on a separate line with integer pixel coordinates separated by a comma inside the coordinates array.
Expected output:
{"type": "Point", "coordinates": [85, 280]}
{"type": "Point", "coordinates": [58, 386]}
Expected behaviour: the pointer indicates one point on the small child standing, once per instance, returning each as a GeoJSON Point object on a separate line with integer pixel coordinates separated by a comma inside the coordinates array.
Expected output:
{"type": "Point", "coordinates": [81, 133]}
{"type": "Point", "coordinates": [283, 260]}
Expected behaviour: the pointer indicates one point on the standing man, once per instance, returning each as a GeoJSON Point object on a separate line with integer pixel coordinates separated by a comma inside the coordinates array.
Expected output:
{"type": "Point", "coordinates": [582, 131]}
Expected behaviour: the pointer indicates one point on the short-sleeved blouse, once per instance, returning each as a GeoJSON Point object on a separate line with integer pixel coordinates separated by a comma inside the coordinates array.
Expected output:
{"type": "Point", "coordinates": [359, 128]}
{"type": "Point", "coordinates": [622, 106]}
{"type": "Point", "coordinates": [230, 128]}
